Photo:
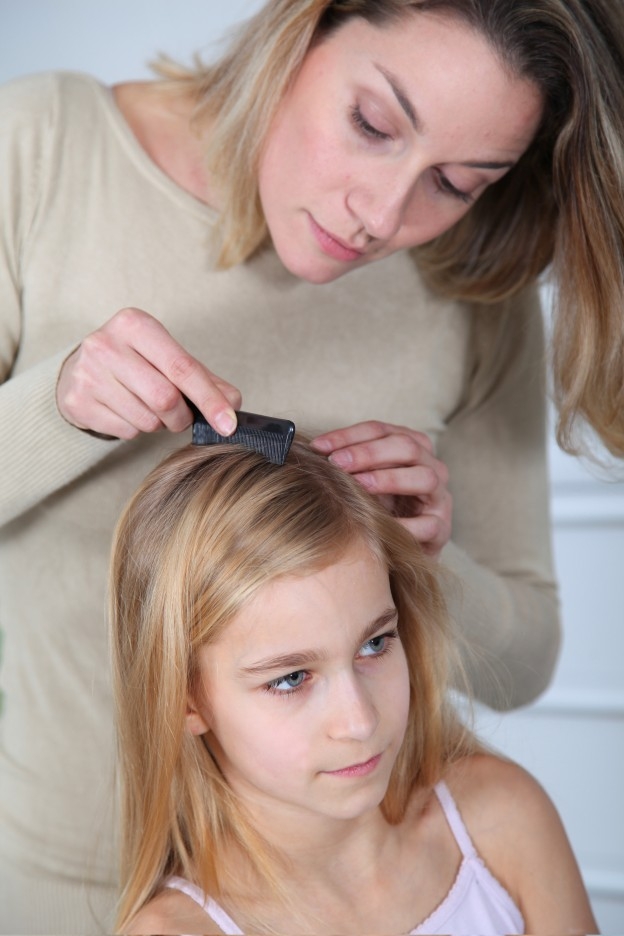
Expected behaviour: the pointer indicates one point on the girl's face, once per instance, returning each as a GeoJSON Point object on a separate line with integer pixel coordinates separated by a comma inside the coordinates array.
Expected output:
{"type": "Point", "coordinates": [306, 694]}
{"type": "Point", "coordinates": [386, 138]}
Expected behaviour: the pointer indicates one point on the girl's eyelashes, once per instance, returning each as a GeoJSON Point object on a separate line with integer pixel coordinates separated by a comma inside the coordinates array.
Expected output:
{"type": "Point", "coordinates": [366, 128]}
{"type": "Point", "coordinates": [446, 186]}
{"type": "Point", "coordinates": [379, 645]}
{"type": "Point", "coordinates": [287, 685]}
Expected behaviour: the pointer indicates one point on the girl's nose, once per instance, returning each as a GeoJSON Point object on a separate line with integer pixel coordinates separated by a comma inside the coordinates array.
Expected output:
{"type": "Point", "coordinates": [352, 714]}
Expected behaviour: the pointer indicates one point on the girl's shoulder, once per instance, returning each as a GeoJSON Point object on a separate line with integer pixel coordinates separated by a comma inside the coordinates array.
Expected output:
{"type": "Point", "coordinates": [499, 801]}
{"type": "Point", "coordinates": [170, 913]}
{"type": "Point", "coordinates": [517, 832]}
{"type": "Point", "coordinates": [487, 777]}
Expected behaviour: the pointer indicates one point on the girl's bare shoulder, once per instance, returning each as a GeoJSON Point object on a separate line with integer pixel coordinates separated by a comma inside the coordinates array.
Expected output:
{"type": "Point", "coordinates": [170, 913]}
{"type": "Point", "coordinates": [497, 798]}
{"type": "Point", "coordinates": [518, 832]}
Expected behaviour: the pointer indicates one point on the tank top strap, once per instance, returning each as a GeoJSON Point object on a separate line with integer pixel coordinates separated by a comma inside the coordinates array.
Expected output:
{"type": "Point", "coordinates": [455, 821]}
{"type": "Point", "coordinates": [210, 906]}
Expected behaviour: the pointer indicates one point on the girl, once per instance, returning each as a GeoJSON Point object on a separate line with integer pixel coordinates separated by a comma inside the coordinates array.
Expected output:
{"type": "Point", "coordinates": [290, 759]}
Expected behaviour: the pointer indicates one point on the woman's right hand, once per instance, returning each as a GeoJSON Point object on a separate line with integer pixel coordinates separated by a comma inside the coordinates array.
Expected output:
{"type": "Point", "coordinates": [131, 376]}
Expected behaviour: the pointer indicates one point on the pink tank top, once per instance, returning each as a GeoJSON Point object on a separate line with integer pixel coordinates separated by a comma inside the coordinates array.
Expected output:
{"type": "Point", "coordinates": [476, 902]}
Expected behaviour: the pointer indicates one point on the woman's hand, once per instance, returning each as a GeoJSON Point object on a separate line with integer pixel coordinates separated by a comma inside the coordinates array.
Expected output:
{"type": "Point", "coordinates": [399, 465]}
{"type": "Point", "coordinates": [130, 376]}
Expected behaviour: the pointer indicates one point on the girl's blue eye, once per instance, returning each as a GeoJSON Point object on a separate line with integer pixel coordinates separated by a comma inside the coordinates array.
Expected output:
{"type": "Point", "coordinates": [286, 684]}
{"type": "Point", "coordinates": [379, 645]}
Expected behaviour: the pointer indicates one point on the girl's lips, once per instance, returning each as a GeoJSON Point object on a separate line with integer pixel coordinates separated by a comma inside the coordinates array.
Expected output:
{"type": "Point", "coordinates": [332, 247]}
{"type": "Point", "coordinates": [357, 770]}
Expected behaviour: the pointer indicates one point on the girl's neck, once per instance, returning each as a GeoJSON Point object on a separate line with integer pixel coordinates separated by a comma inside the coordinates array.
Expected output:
{"type": "Point", "coordinates": [336, 873]}
{"type": "Point", "coordinates": [313, 849]}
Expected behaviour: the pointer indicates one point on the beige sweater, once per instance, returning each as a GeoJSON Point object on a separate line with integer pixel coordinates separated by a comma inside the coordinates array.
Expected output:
{"type": "Point", "coordinates": [88, 225]}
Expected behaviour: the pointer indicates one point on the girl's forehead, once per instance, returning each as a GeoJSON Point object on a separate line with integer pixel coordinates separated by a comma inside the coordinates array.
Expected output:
{"type": "Point", "coordinates": [328, 607]}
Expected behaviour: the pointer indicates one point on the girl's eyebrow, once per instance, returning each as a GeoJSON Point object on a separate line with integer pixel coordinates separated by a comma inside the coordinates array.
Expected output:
{"type": "Point", "coordinates": [302, 658]}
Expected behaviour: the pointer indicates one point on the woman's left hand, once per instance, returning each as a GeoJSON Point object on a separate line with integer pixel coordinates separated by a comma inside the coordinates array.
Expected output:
{"type": "Point", "coordinates": [399, 465]}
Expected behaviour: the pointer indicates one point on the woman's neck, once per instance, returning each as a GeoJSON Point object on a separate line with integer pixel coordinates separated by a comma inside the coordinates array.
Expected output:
{"type": "Point", "coordinates": [161, 121]}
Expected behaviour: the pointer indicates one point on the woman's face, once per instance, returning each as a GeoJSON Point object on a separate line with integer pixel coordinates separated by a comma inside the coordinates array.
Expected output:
{"type": "Point", "coordinates": [386, 138]}
{"type": "Point", "coordinates": [306, 695]}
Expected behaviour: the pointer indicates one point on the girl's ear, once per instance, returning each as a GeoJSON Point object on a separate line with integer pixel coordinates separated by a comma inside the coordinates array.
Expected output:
{"type": "Point", "coordinates": [196, 724]}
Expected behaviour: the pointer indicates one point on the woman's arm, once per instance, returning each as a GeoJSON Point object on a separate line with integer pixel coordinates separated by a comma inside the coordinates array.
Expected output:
{"type": "Point", "coordinates": [112, 385]}
{"type": "Point", "coordinates": [39, 451]}
{"type": "Point", "coordinates": [126, 377]}
{"type": "Point", "coordinates": [504, 594]}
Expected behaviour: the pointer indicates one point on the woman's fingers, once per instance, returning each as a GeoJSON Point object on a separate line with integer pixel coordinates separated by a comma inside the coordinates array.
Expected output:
{"type": "Point", "coordinates": [131, 376]}
{"type": "Point", "coordinates": [399, 466]}
{"type": "Point", "coordinates": [361, 433]}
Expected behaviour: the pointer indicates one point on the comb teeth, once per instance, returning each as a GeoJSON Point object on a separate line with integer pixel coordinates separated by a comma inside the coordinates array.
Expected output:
{"type": "Point", "coordinates": [266, 435]}
{"type": "Point", "coordinates": [266, 443]}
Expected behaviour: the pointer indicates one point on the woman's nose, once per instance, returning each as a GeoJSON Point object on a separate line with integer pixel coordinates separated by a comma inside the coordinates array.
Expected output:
{"type": "Point", "coordinates": [352, 713]}
{"type": "Point", "coordinates": [381, 205]}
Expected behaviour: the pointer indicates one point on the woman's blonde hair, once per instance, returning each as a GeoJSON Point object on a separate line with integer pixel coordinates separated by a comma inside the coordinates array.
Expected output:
{"type": "Point", "coordinates": [207, 529]}
{"type": "Point", "coordinates": [561, 205]}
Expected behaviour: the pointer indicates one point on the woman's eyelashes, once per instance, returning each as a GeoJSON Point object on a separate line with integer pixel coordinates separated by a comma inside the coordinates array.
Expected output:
{"type": "Point", "coordinates": [292, 683]}
{"type": "Point", "coordinates": [445, 186]}
{"type": "Point", "coordinates": [365, 128]}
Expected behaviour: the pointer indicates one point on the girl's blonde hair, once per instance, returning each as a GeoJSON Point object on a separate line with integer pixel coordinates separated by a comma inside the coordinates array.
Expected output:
{"type": "Point", "coordinates": [207, 529]}
{"type": "Point", "coordinates": [562, 205]}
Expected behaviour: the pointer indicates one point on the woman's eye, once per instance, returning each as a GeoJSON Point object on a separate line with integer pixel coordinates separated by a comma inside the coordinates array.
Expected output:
{"type": "Point", "coordinates": [287, 684]}
{"type": "Point", "coordinates": [446, 186]}
{"type": "Point", "coordinates": [366, 128]}
{"type": "Point", "coordinates": [377, 646]}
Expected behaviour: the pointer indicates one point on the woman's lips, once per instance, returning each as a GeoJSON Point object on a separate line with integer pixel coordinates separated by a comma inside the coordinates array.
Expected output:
{"type": "Point", "coordinates": [331, 246]}
{"type": "Point", "coordinates": [357, 770]}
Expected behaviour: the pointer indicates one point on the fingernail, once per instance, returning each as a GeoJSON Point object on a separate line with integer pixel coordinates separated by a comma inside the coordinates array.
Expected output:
{"type": "Point", "coordinates": [343, 459]}
{"type": "Point", "coordinates": [226, 423]}
{"type": "Point", "coordinates": [321, 445]}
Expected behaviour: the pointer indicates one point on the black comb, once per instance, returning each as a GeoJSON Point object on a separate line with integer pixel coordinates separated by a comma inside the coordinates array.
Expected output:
{"type": "Point", "coordinates": [267, 435]}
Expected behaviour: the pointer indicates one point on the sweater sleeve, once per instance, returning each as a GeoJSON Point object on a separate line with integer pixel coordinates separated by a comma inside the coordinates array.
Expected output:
{"type": "Point", "coordinates": [503, 592]}
{"type": "Point", "coordinates": [39, 451]}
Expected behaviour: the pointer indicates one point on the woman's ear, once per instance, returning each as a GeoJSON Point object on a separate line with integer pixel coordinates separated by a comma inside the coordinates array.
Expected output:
{"type": "Point", "coordinates": [196, 724]}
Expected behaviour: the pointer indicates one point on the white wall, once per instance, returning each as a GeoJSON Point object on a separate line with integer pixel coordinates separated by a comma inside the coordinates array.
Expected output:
{"type": "Point", "coordinates": [111, 39]}
{"type": "Point", "coordinates": [573, 739]}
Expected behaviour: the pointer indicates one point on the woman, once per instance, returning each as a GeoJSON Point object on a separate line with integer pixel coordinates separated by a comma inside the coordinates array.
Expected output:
{"type": "Point", "coordinates": [223, 208]}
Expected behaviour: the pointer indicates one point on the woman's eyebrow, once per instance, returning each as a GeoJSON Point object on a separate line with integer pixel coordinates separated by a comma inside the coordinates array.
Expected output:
{"type": "Point", "coordinates": [489, 164]}
{"type": "Point", "coordinates": [401, 96]}
{"type": "Point", "coordinates": [409, 109]}
{"type": "Point", "coordinates": [302, 658]}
